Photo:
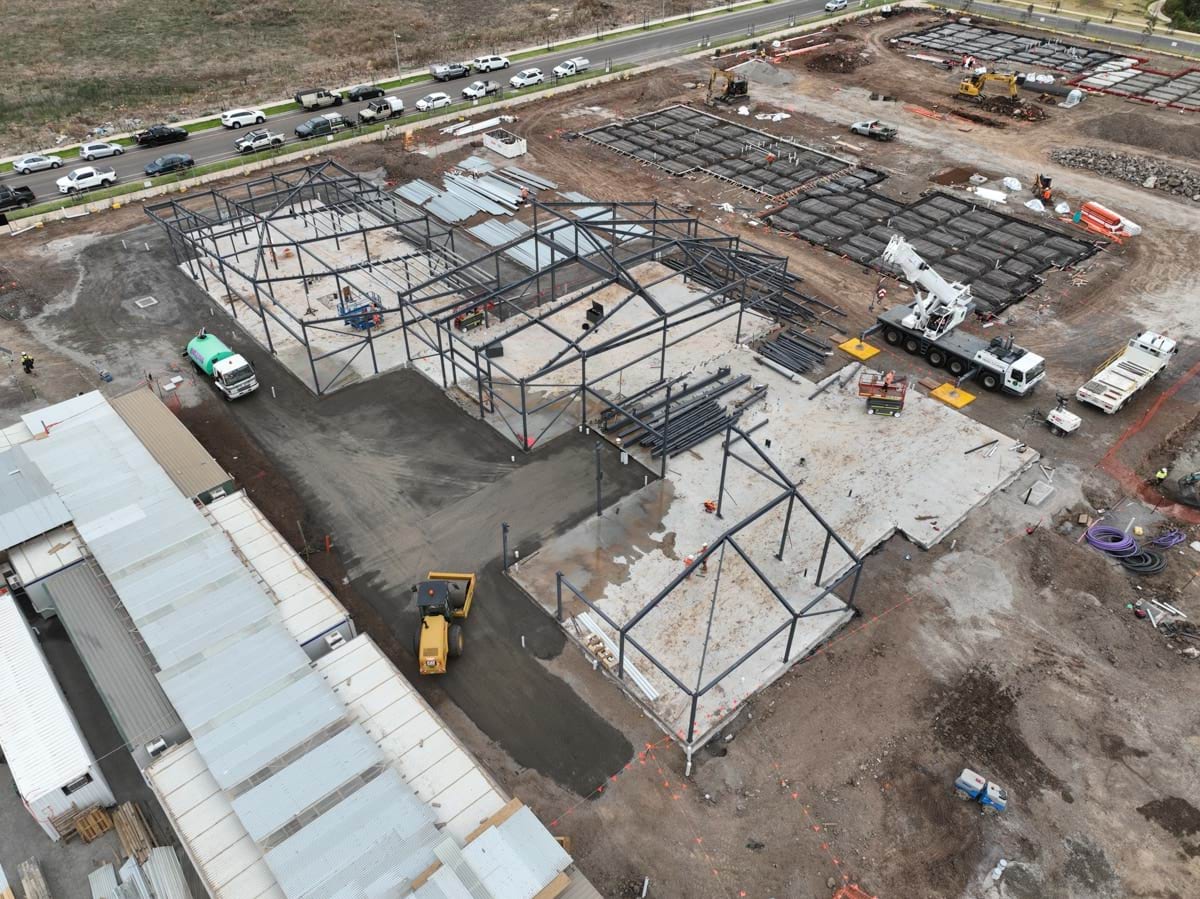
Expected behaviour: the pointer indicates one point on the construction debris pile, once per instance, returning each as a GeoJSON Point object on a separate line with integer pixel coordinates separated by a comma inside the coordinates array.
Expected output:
{"type": "Point", "coordinates": [1144, 170]}
{"type": "Point", "coordinates": [1014, 108]}
{"type": "Point", "coordinates": [846, 59]}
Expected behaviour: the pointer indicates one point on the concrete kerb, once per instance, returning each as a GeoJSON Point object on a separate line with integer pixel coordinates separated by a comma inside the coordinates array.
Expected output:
{"type": "Point", "coordinates": [31, 223]}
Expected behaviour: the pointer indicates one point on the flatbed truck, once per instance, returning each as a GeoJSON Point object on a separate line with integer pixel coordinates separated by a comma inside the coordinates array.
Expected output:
{"type": "Point", "coordinates": [1126, 372]}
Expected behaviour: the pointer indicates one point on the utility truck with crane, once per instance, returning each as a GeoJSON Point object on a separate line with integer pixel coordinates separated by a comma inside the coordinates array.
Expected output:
{"type": "Point", "coordinates": [929, 327]}
{"type": "Point", "coordinates": [233, 374]}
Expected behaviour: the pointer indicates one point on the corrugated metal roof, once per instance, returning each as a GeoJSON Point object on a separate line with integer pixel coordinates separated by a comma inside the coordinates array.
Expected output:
{"type": "Point", "coordinates": [119, 666]}
{"type": "Point", "coordinates": [45, 554]}
{"type": "Point", "coordinates": [305, 603]}
{"type": "Point", "coordinates": [411, 736]}
{"type": "Point", "coordinates": [28, 504]}
{"type": "Point", "coordinates": [172, 445]}
{"type": "Point", "coordinates": [227, 860]}
{"type": "Point", "coordinates": [165, 874]}
{"type": "Point", "coordinates": [42, 743]}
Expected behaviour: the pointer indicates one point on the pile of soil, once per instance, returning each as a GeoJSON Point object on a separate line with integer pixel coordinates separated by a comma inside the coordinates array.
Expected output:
{"type": "Point", "coordinates": [843, 60]}
{"type": "Point", "coordinates": [1165, 133]}
{"type": "Point", "coordinates": [1017, 109]}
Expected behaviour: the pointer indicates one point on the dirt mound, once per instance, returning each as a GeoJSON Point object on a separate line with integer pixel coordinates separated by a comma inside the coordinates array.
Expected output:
{"type": "Point", "coordinates": [844, 59]}
{"type": "Point", "coordinates": [1151, 132]}
{"type": "Point", "coordinates": [1014, 108]}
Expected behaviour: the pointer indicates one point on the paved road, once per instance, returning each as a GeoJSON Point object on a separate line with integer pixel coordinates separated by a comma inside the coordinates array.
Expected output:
{"type": "Point", "coordinates": [217, 144]}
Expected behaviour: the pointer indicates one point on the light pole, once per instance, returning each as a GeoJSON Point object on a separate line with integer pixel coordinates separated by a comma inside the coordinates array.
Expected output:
{"type": "Point", "coordinates": [396, 44]}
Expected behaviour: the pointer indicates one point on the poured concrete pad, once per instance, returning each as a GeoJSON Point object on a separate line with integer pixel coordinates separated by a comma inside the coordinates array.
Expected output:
{"type": "Point", "coordinates": [868, 476]}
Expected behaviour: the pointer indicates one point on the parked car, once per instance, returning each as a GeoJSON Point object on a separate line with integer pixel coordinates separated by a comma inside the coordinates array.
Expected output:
{"type": "Point", "coordinates": [434, 101]}
{"type": "Point", "coordinates": [98, 149]}
{"type": "Point", "coordinates": [17, 197]}
{"type": "Point", "coordinates": [317, 98]}
{"type": "Point", "coordinates": [236, 118]}
{"type": "Point", "coordinates": [157, 135]}
{"type": "Point", "coordinates": [383, 108]}
{"type": "Point", "coordinates": [364, 92]}
{"type": "Point", "coordinates": [449, 70]}
{"type": "Point", "coordinates": [527, 77]}
{"type": "Point", "coordinates": [326, 123]}
{"type": "Point", "coordinates": [874, 129]}
{"type": "Point", "coordinates": [477, 90]}
{"type": "Point", "coordinates": [35, 162]}
{"type": "Point", "coordinates": [489, 63]}
{"type": "Point", "coordinates": [571, 67]}
{"type": "Point", "coordinates": [85, 179]}
{"type": "Point", "coordinates": [262, 139]}
{"type": "Point", "coordinates": [835, 5]}
{"type": "Point", "coordinates": [172, 162]}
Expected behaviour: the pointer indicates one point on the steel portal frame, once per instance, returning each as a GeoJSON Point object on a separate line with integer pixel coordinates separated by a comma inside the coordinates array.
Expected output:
{"type": "Point", "coordinates": [575, 258]}
{"type": "Point", "coordinates": [789, 492]}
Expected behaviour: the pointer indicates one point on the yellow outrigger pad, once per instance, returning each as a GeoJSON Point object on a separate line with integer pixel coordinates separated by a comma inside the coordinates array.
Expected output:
{"type": "Point", "coordinates": [952, 396]}
{"type": "Point", "coordinates": [858, 349]}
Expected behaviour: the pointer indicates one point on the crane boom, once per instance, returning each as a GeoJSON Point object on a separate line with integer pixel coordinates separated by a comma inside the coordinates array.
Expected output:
{"type": "Point", "coordinates": [940, 305]}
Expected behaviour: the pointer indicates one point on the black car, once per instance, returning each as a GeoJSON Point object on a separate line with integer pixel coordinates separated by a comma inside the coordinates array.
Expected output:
{"type": "Point", "coordinates": [15, 197]}
{"type": "Point", "coordinates": [161, 134]}
{"type": "Point", "coordinates": [364, 92]}
{"type": "Point", "coordinates": [172, 162]}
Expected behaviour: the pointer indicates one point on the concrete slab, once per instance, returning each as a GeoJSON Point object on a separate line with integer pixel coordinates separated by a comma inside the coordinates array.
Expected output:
{"type": "Point", "coordinates": [868, 476]}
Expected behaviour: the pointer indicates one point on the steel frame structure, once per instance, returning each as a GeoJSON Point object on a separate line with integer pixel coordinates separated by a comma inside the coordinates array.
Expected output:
{"type": "Point", "coordinates": [239, 230]}
{"type": "Point", "coordinates": [789, 493]}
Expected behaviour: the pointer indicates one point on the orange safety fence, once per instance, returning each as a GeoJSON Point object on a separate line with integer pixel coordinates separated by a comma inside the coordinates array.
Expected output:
{"type": "Point", "coordinates": [853, 891]}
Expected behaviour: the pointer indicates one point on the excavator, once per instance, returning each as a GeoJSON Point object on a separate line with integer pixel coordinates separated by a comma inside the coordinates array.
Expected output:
{"type": "Point", "coordinates": [726, 87]}
{"type": "Point", "coordinates": [971, 87]}
{"type": "Point", "coordinates": [442, 597]}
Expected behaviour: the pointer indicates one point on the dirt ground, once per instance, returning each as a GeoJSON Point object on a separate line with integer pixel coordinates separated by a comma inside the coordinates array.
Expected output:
{"type": "Point", "coordinates": [1009, 648]}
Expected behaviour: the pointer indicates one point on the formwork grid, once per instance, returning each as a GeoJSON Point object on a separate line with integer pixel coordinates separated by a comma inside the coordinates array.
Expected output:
{"type": "Point", "coordinates": [432, 295]}
{"type": "Point", "coordinates": [844, 568]}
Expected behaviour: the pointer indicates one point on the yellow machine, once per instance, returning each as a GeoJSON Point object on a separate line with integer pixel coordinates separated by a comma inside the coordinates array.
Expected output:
{"type": "Point", "coordinates": [726, 87]}
{"type": "Point", "coordinates": [444, 596]}
{"type": "Point", "coordinates": [971, 87]}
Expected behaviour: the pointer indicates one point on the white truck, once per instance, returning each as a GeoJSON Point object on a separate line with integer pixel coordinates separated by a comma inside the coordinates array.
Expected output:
{"type": "Point", "coordinates": [382, 108]}
{"type": "Point", "coordinates": [261, 139]}
{"type": "Point", "coordinates": [477, 90]}
{"type": "Point", "coordinates": [928, 328]}
{"type": "Point", "coordinates": [85, 178]}
{"type": "Point", "coordinates": [571, 67]}
{"type": "Point", "coordinates": [233, 374]}
{"type": "Point", "coordinates": [1129, 370]}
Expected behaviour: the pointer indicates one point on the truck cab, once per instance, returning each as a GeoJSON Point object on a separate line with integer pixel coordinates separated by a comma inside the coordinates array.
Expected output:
{"type": "Point", "coordinates": [1016, 369]}
{"type": "Point", "coordinates": [976, 787]}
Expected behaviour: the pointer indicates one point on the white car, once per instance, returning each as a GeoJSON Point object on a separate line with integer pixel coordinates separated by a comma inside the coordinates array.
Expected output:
{"type": "Point", "coordinates": [434, 101]}
{"type": "Point", "coordinates": [527, 77]}
{"type": "Point", "coordinates": [35, 162]}
{"type": "Point", "coordinates": [236, 118]}
{"type": "Point", "coordinates": [98, 149]}
{"type": "Point", "coordinates": [835, 5]}
{"type": "Point", "coordinates": [489, 63]}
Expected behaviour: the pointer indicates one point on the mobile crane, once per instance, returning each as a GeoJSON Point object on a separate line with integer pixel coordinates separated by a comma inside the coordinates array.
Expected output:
{"type": "Point", "coordinates": [971, 87]}
{"type": "Point", "coordinates": [928, 327]}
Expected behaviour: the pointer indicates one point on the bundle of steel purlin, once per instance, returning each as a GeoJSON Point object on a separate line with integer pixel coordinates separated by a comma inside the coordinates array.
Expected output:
{"type": "Point", "coordinates": [795, 352]}
{"type": "Point", "coordinates": [691, 416]}
{"type": "Point", "coordinates": [1125, 549]}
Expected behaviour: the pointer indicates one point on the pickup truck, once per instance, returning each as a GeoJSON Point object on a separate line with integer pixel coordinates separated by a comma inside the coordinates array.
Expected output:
{"type": "Point", "coordinates": [157, 135]}
{"type": "Point", "coordinates": [326, 123]}
{"type": "Point", "coordinates": [18, 197]}
{"type": "Point", "coordinates": [571, 67]}
{"type": "Point", "coordinates": [85, 178]}
{"type": "Point", "coordinates": [477, 90]}
{"type": "Point", "coordinates": [874, 129]}
{"type": "Point", "coordinates": [317, 98]}
{"type": "Point", "coordinates": [262, 139]}
{"type": "Point", "coordinates": [449, 70]}
{"type": "Point", "coordinates": [383, 108]}
{"type": "Point", "coordinates": [1128, 371]}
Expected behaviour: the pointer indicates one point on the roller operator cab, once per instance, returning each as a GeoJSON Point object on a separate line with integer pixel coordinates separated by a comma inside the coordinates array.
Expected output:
{"type": "Point", "coordinates": [443, 597]}
{"type": "Point", "coordinates": [233, 374]}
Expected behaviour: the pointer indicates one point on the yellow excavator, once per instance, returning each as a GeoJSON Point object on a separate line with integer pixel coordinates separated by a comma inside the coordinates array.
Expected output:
{"type": "Point", "coordinates": [971, 87]}
{"type": "Point", "coordinates": [441, 598]}
{"type": "Point", "coordinates": [726, 87]}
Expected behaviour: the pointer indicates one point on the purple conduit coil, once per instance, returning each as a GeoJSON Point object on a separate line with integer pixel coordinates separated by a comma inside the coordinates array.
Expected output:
{"type": "Point", "coordinates": [1112, 541]}
{"type": "Point", "coordinates": [1171, 538]}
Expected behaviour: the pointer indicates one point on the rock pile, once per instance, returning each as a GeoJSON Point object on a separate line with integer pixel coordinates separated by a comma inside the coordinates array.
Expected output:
{"type": "Point", "coordinates": [1151, 173]}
